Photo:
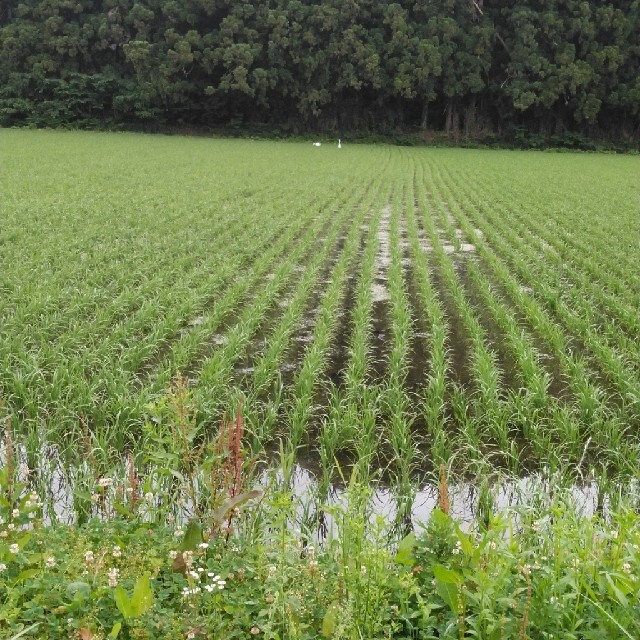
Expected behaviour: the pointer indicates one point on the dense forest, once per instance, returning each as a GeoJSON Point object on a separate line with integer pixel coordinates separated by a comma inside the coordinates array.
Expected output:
{"type": "Point", "coordinates": [472, 68]}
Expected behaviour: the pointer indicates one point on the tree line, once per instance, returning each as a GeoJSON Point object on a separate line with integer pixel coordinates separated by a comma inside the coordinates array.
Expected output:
{"type": "Point", "coordinates": [468, 67]}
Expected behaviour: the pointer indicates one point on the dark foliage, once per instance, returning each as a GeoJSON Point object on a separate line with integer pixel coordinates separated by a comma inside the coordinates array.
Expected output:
{"type": "Point", "coordinates": [534, 73]}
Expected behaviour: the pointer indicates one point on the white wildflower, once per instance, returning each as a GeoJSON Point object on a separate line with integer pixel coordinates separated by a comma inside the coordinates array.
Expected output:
{"type": "Point", "coordinates": [187, 556]}
{"type": "Point", "coordinates": [14, 548]}
{"type": "Point", "coordinates": [113, 577]}
{"type": "Point", "coordinates": [51, 562]}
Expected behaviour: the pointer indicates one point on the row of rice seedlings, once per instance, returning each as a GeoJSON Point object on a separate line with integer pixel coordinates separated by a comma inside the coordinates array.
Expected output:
{"type": "Point", "coordinates": [432, 398]}
{"type": "Point", "coordinates": [264, 392]}
{"type": "Point", "coordinates": [266, 374]}
{"type": "Point", "coordinates": [592, 248]}
{"type": "Point", "coordinates": [608, 359]}
{"type": "Point", "coordinates": [117, 413]}
{"type": "Point", "coordinates": [70, 391]}
{"type": "Point", "coordinates": [591, 408]}
{"type": "Point", "coordinates": [593, 278]}
{"type": "Point", "coordinates": [131, 343]}
{"type": "Point", "coordinates": [202, 336]}
{"type": "Point", "coordinates": [531, 409]}
{"type": "Point", "coordinates": [87, 288]}
{"type": "Point", "coordinates": [585, 282]}
{"type": "Point", "coordinates": [113, 244]}
{"type": "Point", "coordinates": [199, 278]}
{"type": "Point", "coordinates": [64, 363]}
{"type": "Point", "coordinates": [185, 349]}
{"type": "Point", "coordinates": [588, 204]}
{"type": "Point", "coordinates": [213, 386]}
{"type": "Point", "coordinates": [353, 408]}
{"type": "Point", "coordinates": [362, 398]}
{"type": "Point", "coordinates": [487, 409]}
{"type": "Point", "coordinates": [299, 405]}
{"type": "Point", "coordinates": [586, 310]}
{"type": "Point", "coordinates": [611, 299]}
{"type": "Point", "coordinates": [396, 402]}
{"type": "Point", "coordinates": [101, 305]}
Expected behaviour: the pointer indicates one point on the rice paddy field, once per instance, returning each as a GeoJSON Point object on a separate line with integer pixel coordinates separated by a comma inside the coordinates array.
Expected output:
{"type": "Point", "coordinates": [384, 392]}
{"type": "Point", "coordinates": [378, 307]}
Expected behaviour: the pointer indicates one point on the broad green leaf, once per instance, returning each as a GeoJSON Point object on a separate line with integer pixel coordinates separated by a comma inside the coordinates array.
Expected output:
{"type": "Point", "coordinates": [405, 550]}
{"type": "Point", "coordinates": [25, 575]}
{"type": "Point", "coordinates": [449, 593]}
{"type": "Point", "coordinates": [616, 592]}
{"type": "Point", "coordinates": [123, 602]}
{"type": "Point", "coordinates": [142, 599]}
{"type": "Point", "coordinates": [440, 518]}
{"type": "Point", "coordinates": [465, 542]}
{"type": "Point", "coordinates": [448, 576]}
{"type": "Point", "coordinates": [192, 537]}
{"type": "Point", "coordinates": [22, 542]}
{"type": "Point", "coordinates": [329, 621]}
{"type": "Point", "coordinates": [115, 630]}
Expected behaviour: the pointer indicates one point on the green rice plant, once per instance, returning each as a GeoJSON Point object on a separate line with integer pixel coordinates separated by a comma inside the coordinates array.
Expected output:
{"type": "Point", "coordinates": [433, 394]}
{"type": "Point", "coordinates": [489, 409]}
{"type": "Point", "coordinates": [551, 333]}
{"type": "Point", "coordinates": [266, 368]}
{"type": "Point", "coordinates": [300, 405]}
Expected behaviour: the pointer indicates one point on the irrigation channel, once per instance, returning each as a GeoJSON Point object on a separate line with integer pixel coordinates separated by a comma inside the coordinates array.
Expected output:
{"type": "Point", "coordinates": [386, 312]}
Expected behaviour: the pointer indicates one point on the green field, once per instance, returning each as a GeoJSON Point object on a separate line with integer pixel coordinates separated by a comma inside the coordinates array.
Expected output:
{"type": "Point", "coordinates": [390, 307]}
{"type": "Point", "coordinates": [399, 329]}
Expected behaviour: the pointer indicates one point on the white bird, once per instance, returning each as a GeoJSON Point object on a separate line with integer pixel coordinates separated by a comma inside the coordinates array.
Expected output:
{"type": "Point", "coordinates": [339, 144]}
{"type": "Point", "coordinates": [316, 144]}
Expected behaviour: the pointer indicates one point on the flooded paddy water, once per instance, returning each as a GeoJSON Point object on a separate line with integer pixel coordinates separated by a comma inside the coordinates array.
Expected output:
{"type": "Point", "coordinates": [62, 489]}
